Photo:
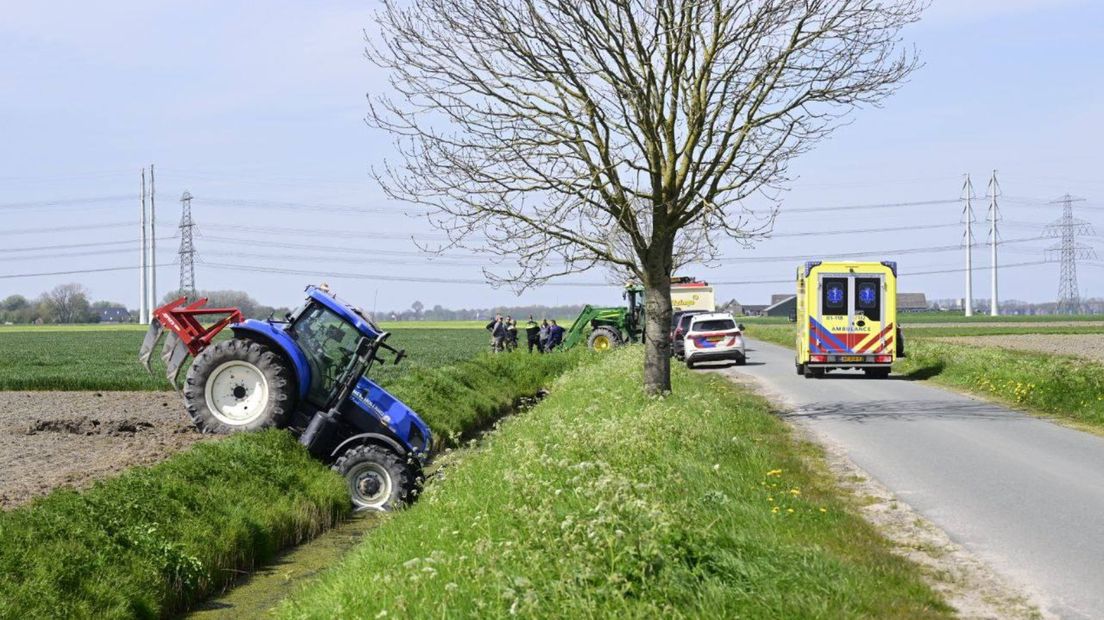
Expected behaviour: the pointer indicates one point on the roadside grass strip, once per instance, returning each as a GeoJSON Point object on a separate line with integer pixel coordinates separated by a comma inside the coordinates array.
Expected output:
{"type": "Point", "coordinates": [603, 502]}
{"type": "Point", "coordinates": [155, 539]}
{"type": "Point", "coordinates": [1067, 387]}
{"type": "Point", "coordinates": [461, 399]}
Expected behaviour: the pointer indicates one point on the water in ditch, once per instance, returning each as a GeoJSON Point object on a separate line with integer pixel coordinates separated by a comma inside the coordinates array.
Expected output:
{"type": "Point", "coordinates": [261, 591]}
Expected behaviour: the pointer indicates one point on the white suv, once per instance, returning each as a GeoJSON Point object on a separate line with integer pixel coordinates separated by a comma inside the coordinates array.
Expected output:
{"type": "Point", "coordinates": [714, 337]}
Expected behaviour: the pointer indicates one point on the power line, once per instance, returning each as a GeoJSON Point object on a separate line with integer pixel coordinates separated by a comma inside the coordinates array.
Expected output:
{"type": "Point", "coordinates": [70, 246]}
{"type": "Point", "coordinates": [306, 206]}
{"type": "Point", "coordinates": [338, 250]}
{"type": "Point", "coordinates": [383, 278]}
{"type": "Point", "coordinates": [16, 259]}
{"type": "Point", "coordinates": [887, 205]}
{"type": "Point", "coordinates": [429, 261]}
{"type": "Point", "coordinates": [903, 274]}
{"type": "Point", "coordinates": [822, 233]}
{"type": "Point", "coordinates": [64, 202]}
{"type": "Point", "coordinates": [53, 229]}
{"type": "Point", "coordinates": [860, 254]}
{"type": "Point", "coordinates": [73, 272]}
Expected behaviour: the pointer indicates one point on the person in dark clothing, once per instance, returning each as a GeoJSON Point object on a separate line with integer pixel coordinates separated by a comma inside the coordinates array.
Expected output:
{"type": "Point", "coordinates": [497, 328]}
{"type": "Point", "coordinates": [511, 334]}
{"type": "Point", "coordinates": [555, 335]}
{"type": "Point", "coordinates": [543, 335]}
{"type": "Point", "coordinates": [532, 335]}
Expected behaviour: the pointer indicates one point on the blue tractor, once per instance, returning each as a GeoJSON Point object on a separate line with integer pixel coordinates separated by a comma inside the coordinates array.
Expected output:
{"type": "Point", "coordinates": [308, 374]}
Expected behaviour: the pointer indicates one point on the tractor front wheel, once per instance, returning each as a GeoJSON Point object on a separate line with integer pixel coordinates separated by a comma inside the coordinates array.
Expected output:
{"type": "Point", "coordinates": [603, 339]}
{"type": "Point", "coordinates": [238, 385]}
{"type": "Point", "coordinates": [377, 478]}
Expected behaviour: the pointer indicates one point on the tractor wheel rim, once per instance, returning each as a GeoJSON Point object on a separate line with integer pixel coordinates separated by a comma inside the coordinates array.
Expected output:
{"type": "Point", "coordinates": [370, 485]}
{"type": "Point", "coordinates": [601, 343]}
{"type": "Point", "coordinates": [236, 393]}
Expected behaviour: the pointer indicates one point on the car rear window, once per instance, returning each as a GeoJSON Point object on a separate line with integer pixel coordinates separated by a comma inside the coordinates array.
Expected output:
{"type": "Point", "coordinates": [715, 325]}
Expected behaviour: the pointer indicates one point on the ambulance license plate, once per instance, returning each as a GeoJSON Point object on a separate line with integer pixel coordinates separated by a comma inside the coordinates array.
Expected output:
{"type": "Point", "coordinates": [852, 358]}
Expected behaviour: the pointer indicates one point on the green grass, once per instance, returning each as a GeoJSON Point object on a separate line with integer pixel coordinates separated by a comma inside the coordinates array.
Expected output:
{"type": "Point", "coordinates": [1067, 387]}
{"type": "Point", "coordinates": [783, 335]}
{"type": "Point", "coordinates": [107, 359]}
{"type": "Point", "coordinates": [604, 503]}
{"type": "Point", "coordinates": [152, 540]}
{"type": "Point", "coordinates": [458, 399]}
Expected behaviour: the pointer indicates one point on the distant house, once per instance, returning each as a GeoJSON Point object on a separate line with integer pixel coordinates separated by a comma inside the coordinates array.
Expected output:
{"type": "Point", "coordinates": [786, 306]}
{"type": "Point", "coordinates": [780, 297]}
{"type": "Point", "coordinates": [753, 309]}
{"type": "Point", "coordinates": [114, 314]}
{"type": "Point", "coordinates": [912, 302]}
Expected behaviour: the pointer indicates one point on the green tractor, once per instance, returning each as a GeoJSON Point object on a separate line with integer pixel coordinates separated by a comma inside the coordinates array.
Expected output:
{"type": "Point", "coordinates": [605, 328]}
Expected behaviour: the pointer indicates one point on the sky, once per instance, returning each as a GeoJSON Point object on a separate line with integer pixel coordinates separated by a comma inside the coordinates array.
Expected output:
{"type": "Point", "coordinates": [257, 109]}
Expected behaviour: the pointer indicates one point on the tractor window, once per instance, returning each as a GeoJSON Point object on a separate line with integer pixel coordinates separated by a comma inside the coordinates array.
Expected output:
{"type": "Point", "coordinates": [329, 343]}
{"type": "Point", "coordinates": [833, 296]}
{"type": "Point", "coordinates": [714, 325]}
{"type": "Point", "coordinates": [868, 297]}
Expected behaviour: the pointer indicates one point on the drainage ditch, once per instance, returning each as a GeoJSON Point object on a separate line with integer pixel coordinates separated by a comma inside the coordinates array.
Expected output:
{"type": "Point", "coordinates": [259, 592]}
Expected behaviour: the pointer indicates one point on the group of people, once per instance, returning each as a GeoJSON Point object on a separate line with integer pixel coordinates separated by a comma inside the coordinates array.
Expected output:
{"type": "Point", "coordinates": [544, 337]}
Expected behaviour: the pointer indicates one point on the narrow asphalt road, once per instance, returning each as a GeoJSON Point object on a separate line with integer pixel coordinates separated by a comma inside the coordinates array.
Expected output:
{"type": "Point", "coordinates": [1023, 494]}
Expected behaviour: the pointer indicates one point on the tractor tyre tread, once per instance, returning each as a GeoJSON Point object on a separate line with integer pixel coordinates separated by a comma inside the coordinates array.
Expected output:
{"type": "Point", "coordinates": [609, 332]}
{"type": "Point", "coordinates": [281, 400]}
{"type": "Point", "coordinates": [405, 474]}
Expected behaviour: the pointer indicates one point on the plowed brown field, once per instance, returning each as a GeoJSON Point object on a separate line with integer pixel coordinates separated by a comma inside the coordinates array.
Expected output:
{"type": "Point", "coordinates": [70, 439]}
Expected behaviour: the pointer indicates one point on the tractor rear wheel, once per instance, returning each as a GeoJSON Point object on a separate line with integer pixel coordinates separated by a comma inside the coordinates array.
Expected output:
{"type": "Point", "coordinates": [238, 385]}
{"type": "Point", "coordinates": [603, 339]}
{"type": "Point", "coordinates": [377, 478]}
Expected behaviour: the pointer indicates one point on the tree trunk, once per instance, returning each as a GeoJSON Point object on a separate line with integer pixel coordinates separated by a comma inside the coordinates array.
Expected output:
{"type": "Point", "coordinates": [657, 328]}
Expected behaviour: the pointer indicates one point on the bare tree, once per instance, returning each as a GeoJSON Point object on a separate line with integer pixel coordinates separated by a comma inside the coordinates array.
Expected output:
{"type": "Point", "coordinates": [570, 134]}
{"type": "Point", "coordinates": [67, 303]}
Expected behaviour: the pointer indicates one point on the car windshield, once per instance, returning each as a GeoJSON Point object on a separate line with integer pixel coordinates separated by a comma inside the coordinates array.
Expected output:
{"type": "Point", "coordinates": [715, 325]}
{"type": "Point", "coordinates": [328, 342]}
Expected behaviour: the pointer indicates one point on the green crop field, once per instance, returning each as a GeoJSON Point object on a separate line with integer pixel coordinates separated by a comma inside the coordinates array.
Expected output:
{"type": "Point", "coordinates": [105, 357]}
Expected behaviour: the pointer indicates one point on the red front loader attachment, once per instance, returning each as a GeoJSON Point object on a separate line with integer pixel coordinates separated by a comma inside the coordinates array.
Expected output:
{"type": "Point", "coordinates": [188, 337]}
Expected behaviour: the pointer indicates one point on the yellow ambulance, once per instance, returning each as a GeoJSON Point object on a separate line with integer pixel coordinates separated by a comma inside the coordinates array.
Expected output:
{"type": "Point", "coordinates": [847, 317]}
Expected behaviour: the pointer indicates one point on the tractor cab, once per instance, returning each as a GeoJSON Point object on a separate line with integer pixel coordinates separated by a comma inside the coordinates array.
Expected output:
{"type": "Point", "coordinates": [327, 331]}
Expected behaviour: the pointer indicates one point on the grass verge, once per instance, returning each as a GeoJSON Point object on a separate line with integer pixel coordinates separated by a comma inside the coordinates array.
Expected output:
{"type": "Point", "coordinates": [1066, 387]}
{"type": "Point", "coordinates": [154, 539]}
{"type": "Point", "coordinates": [602, 502]}
{"type": "Point", "coordinates": [459, 399]}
